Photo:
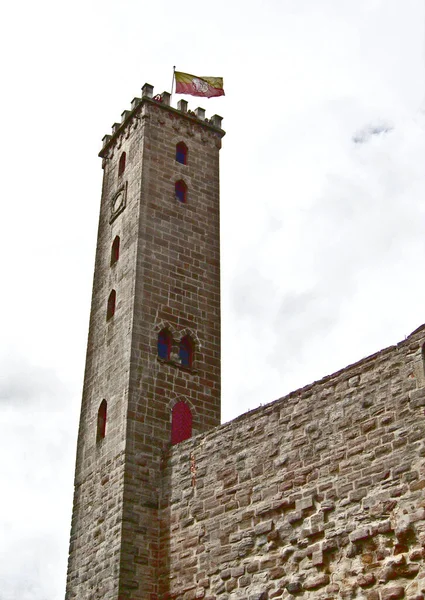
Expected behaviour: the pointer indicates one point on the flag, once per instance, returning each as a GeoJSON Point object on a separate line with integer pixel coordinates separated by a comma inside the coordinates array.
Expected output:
{"type": "Point", "coordinates": [198, 86]}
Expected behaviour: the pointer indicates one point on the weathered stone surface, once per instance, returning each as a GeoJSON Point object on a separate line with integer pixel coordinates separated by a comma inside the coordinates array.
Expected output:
{"type": "Point", "coordinates": [294, 587]}
{"type": "Point", "coordinates": [417, 554]}
{"type": "Point", "coordinates": [304, 524]}
{"type": "Point", "coordinates": [417, 398]}
{"type": "Point", "coordinates": [392, 593]}
{"type": "Point", "coordinates": [316, 581]}
{"type": "Point", "coordinates": [276, 573]}
{"type": "Point", "coordinates": [263, 527]}
{"type": "Point", "coordinates": [366, 580]}
{"type": "Point", "coordinates": [258, 596]}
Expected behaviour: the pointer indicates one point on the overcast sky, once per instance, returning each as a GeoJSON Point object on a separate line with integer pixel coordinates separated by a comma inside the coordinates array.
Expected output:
{"type": "Point", "coordinates": [322, 207]}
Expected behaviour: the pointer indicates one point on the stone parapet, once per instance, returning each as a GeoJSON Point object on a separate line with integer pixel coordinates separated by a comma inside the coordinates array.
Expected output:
{"type": "Point", "coordinates": [163, 100]}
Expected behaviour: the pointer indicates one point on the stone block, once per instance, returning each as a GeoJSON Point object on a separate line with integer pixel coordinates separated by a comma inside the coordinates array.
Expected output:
{"type": "Point", "coordinates": [417, 398]}
{"type": "Point", "coordinates": [263, 527]}
{"type": "Point", "coordinates": [304, 504]}
{"type": "Point", "coordinates": [294, 587]}
{"type": "Point", "coordinates": [316, 581]}
{"type": "Point", "coordinates": [244, 581]}
{"type": "Point", "coordinates": [366, 580]}
{"type": "Point", "coordinates": [231, 584]}
{"type": "Point", "coordinates": [360, 534]}
{"type": "Point", "coordinates": [392, 593]}
{"type": "Point", "coordinates": [277, 573]}
{"type": "Point", "coordinates": [258, 596]}
{"type": "Point", "coordinates": [253, 567]}
{"type": "Point", "coordinates": [317, 558]}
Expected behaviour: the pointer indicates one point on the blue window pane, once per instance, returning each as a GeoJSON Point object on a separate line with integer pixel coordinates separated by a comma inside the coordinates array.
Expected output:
{"type": "Point", "coordinates": [163, 346]}
{"type": "Point", "coordinates": [181, 153]}
{"type": "Point", "coordinates": [185, 353]}
{"type": "Point", "coordinates": [181, 157]}
{"type": "Point", "coordinates": [184, 357]}
{"type": "Point", "coordinates": [180, 191]}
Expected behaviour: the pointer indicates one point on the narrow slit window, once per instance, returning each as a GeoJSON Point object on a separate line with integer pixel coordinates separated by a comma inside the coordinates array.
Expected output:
{"type": "Point", "coordinates": [181, 153]}
{"type": "Point", "coordinates": [110, 311]}
{"type": "Point", "coordinates": [181, 191]}
{"type": "Point", "coordinates": [115, 250]}
{"type": "Point", "coordinates": [121, 164]}
{"type": "Point", "coordinates": [164, 344]}
{"type": "Point", "coordinates": [101, 420]}
{"type": "Point", "coordinates": [181, 422]}
{"type": "Point", "coordinates": [423, 357]}
{"type": "Point", "coordinates": [186, 352]}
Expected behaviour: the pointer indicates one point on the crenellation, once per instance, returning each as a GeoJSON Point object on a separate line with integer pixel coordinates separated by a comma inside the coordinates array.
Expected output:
{"type": "Point", "coordinates": [200, 113]}
{"type": "Point", "coordinates": [130, 118]}
{"type": "Point", "coordinates": [135, 103]}
{"type": "Point", "coordinates": [124, 115]}
{"type": "Point", "coordinates": [165, 98]}
{"type": "Point", "coordinates": [182, 105]}
{"type": "Point", "coordinates": [147, 90]}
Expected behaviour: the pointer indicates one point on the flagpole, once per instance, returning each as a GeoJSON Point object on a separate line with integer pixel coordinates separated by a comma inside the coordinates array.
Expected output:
{"type": "Point", "coordinates": [172, 83]}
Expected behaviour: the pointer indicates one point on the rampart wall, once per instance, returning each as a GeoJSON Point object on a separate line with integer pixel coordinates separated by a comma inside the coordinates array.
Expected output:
{"type": "Point", "coordinates": [317, 495]}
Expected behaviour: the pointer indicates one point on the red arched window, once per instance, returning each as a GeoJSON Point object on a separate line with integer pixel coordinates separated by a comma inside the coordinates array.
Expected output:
{"type": "Point", "coordinates": [186, 352]}
{"type": "Point", "coordinates": [181, 153]}
{"type": "Point", "coordinates": [181, 190]}
{"type": "Point", "coordinates": [101, 421]}
{"type": "Point", "coordinates": [115, 250]}
{"type": "Point", "coordinates": [121, 164]}
{"type": "Point", "coordinates": [110, 311]}
{"type": "Point", "coordinates": [164, 344]}
{"type": "Point", "coordinates": [181, 423]}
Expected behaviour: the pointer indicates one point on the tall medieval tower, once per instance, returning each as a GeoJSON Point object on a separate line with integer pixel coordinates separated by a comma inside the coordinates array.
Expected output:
{"type": "Point", "coordinates": [152, 373]}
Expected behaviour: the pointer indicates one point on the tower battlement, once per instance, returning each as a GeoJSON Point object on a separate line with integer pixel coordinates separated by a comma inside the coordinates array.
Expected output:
{"type": "Point", "coordinates": [196, 116]}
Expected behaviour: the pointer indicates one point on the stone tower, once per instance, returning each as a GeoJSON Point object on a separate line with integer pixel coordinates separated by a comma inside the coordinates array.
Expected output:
{"type": "Point", "coordinates": [152, 372]}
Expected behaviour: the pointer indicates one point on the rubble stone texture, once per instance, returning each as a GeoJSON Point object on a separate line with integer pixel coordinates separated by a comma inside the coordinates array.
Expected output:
{"type": "Point", "coordinates": [318, 495]}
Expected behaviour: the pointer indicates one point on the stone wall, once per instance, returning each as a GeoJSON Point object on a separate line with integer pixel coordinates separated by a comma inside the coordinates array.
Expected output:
{"type": "Point", "coordinates": [317, 495]}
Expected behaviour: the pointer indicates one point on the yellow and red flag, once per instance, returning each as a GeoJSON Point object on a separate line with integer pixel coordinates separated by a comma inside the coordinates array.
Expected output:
{"type": "Point", "coordinates": [198, 86]}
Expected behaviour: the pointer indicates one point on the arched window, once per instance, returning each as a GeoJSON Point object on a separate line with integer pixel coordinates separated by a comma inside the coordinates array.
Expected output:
{"type": "Point", "coordinates": [121, 164]}
{"type": "Point", "coordinates": [181, 190]}
{"type": "Point", "coordinates": [186, 352]}
{"type": "Point", "coordinates": [164, 344]}
{"type": "Point", "coordinates": [110, 311]}
{"type": "Point", "coordinates": [181, 153]}
{"type": "Point", "coordinates": [115, 250]}
{"type": "Point", "coordinates": [181, 423]}
{"type": "Point", "coordinates": [101, 421]}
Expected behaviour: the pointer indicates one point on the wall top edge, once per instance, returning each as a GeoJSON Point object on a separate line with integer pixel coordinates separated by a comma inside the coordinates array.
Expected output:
{"type": "Point", "coordinates": [348, 372]}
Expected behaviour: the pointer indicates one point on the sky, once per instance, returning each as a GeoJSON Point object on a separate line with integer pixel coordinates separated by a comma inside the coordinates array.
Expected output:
{"type": "Point", "coordinates": [322, 210]}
